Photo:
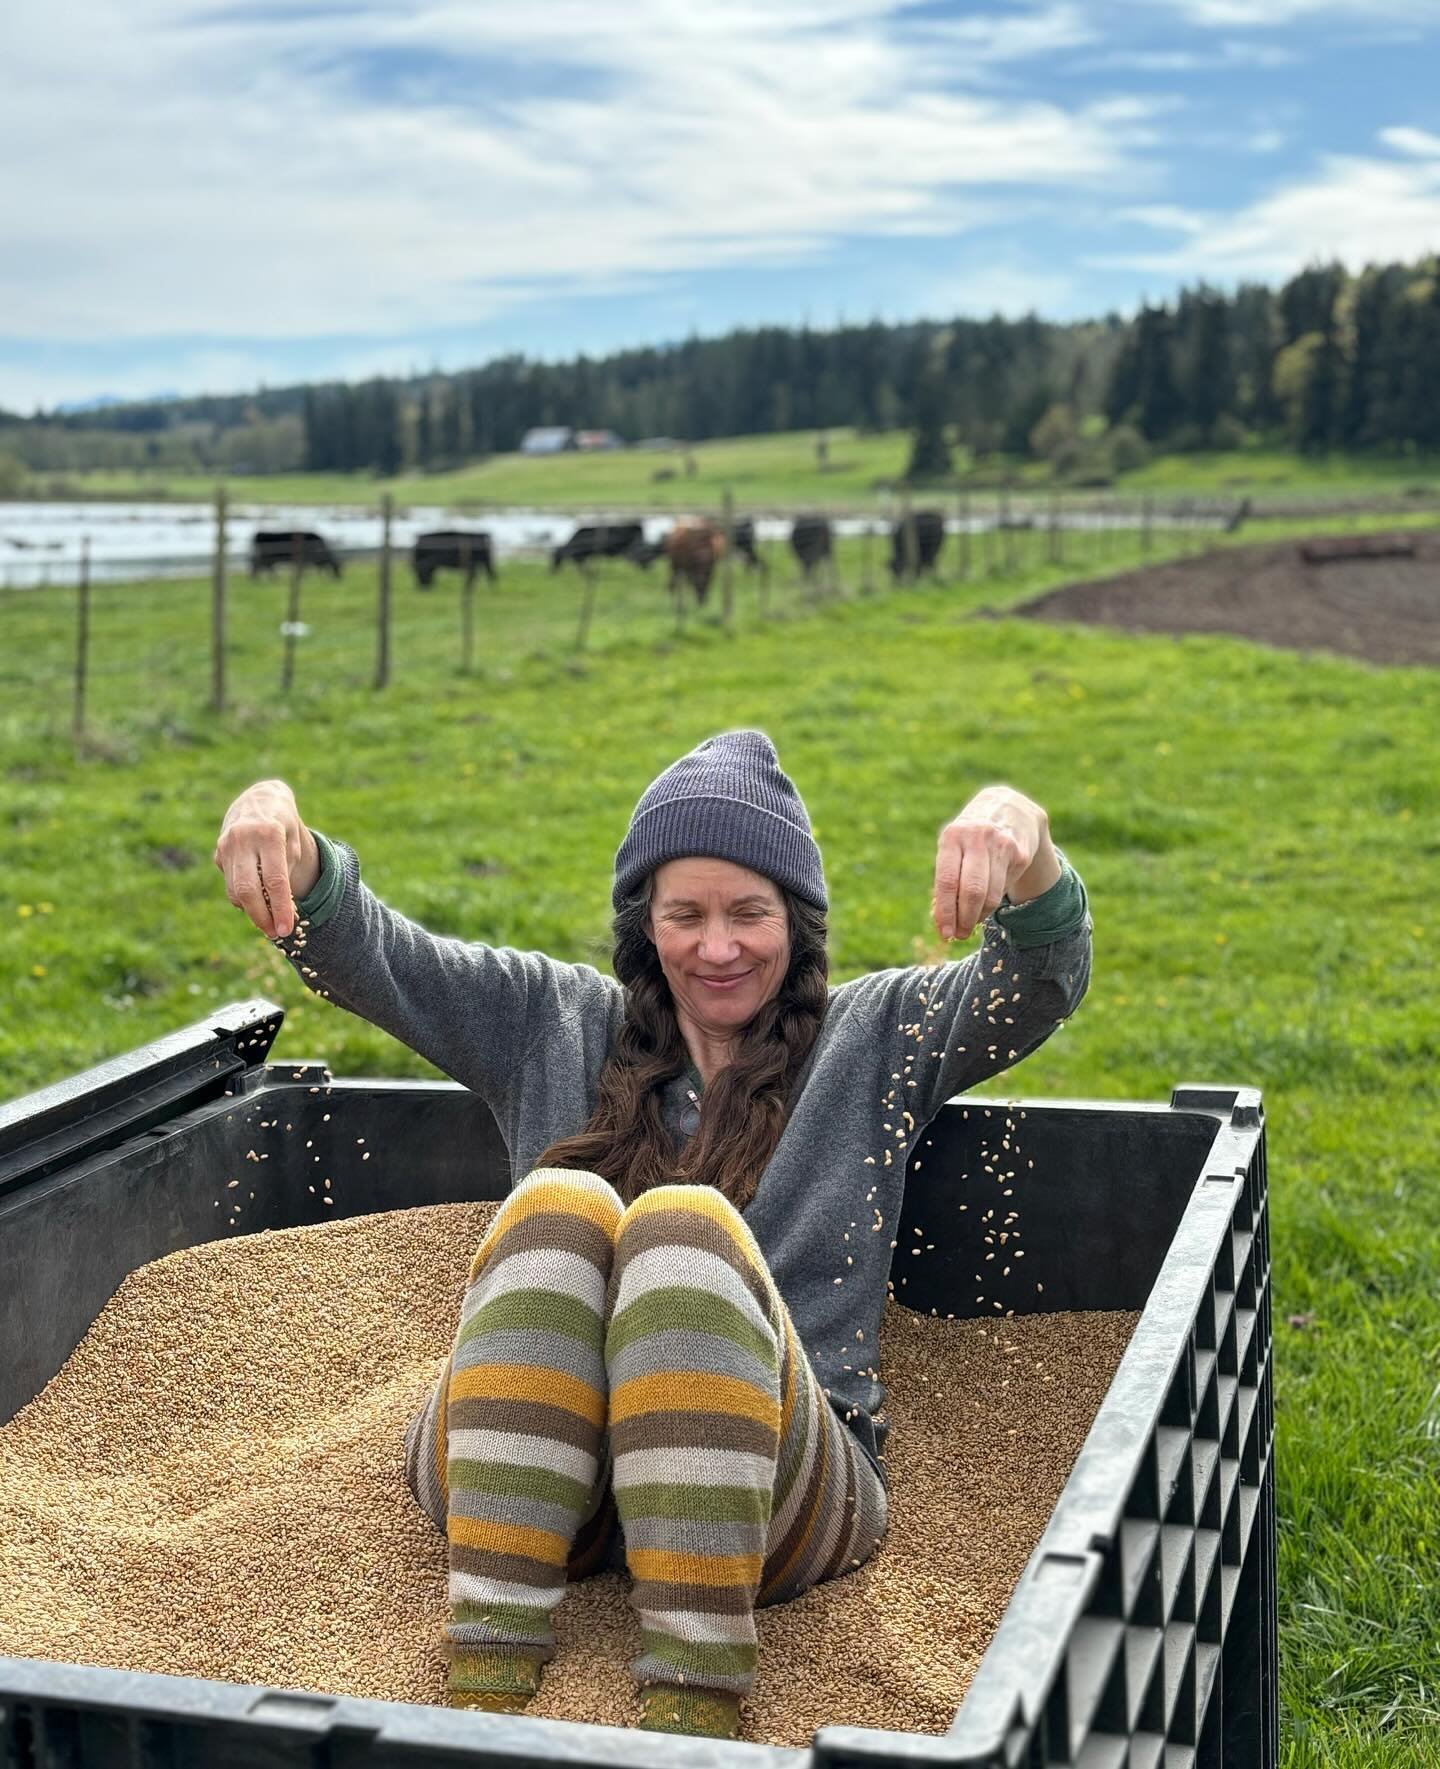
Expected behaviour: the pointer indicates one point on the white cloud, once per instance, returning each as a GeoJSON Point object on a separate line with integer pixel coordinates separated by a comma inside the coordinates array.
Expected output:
{"type": "Point", "coordinates": [235, 171]}
{"type": "Point", "coordinates": [1273, 14]}
{"type": "Point", "coordinates": [1355, 208]}
{"type": "Point", "coordinates": [1231, 53]}
{"type": "Point", "coordinates": [1165, 217]}
{"type": "Point", "coordinates": [1419, 142]}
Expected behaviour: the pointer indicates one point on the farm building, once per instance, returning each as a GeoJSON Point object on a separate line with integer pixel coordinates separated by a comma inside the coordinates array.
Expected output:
{"type": "Point", "coordinates": [547, 439]}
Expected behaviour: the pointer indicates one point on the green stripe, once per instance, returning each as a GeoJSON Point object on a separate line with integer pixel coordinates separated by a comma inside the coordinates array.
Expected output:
{"type": "Point", "coordinates": [695, 1504]}
{"type": "Point", "coordinates": [521, 1483]}
{"type": "Point", "coordinates": [679, 1307]}
{"type": "Point", "coordinates": [529, 1309]}
{"type": "Point", "coordinates": [699, 1657]}
{"type": "Point", "coordinates": [516, 1618]}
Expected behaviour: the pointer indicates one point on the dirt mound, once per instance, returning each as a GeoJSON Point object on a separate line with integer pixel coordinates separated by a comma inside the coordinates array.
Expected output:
{"type": "Point", "coordinates": [1384, 610]}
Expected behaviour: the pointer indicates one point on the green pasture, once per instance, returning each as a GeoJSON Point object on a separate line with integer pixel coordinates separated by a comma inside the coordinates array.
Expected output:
{"type": "Point", "coordinates": [1257, 831]}
{"type": "Point", "coordinates": [781, 473]}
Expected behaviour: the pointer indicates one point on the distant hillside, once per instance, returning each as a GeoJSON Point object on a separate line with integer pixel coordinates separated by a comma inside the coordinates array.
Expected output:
{"type": "Point", "coordinates": [1329, 360]}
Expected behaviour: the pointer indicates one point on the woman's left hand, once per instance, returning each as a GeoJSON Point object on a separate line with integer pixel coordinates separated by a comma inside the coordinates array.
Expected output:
{"type": "Point", "coordinates": [998, 846]}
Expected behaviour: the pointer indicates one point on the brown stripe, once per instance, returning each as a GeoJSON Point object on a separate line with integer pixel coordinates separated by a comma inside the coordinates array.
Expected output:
{"type": "Point", "coordinates": [530, 1417]}
{"type": "Point", "coordinates": [688, 1228]}
{"type": "Point", "coordinates": [701, 1599]}
{"type": "Point", "coordinates": [547, 1229]}
{"type": "Point", "coordinates": [699, 1431]}
{"type": "Point", "coordinates": [518, 1569]}
{"type": "Point", "coordinates": [798, 1534]}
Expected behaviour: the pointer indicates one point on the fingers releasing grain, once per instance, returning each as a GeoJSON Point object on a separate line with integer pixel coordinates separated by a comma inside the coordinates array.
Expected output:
{"type": "Point", "coordinates": [235, 1506]}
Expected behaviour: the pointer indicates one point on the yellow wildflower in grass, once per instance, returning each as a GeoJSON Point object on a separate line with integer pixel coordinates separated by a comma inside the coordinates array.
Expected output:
{"type": "Point", "coordinates": [24, 909]}
{"type": "Point", "coordinates": [46, 908]}
{"type": "Point", "coordinates": [37, 970]}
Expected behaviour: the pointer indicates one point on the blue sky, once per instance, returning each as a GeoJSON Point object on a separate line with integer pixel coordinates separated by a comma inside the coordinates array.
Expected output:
{"type": "Point", "coordinates": [223, 193]}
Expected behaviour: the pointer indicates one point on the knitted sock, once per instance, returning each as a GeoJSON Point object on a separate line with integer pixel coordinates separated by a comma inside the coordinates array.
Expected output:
{"type": "Point", "coordinates": [522, 1435]}
{"type": "Point", "coordinates": [704, 1713]}
{"type": "Point", "coordinates": [693, 1356]}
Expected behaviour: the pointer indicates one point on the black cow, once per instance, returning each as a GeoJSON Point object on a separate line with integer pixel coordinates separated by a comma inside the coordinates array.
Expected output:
{"type": "Point", "coordinates": [279, 546]}
{"type": "Point", "coordinates": [746, 549]}
{"type": "Point", "coordinates": [613, 540]}
{"type": "Point", "coordinates": [915, 543]}
{"type": "Point", "coordinates": [452, 549]}
{"type": "Point", "coordinates": [810, 542]}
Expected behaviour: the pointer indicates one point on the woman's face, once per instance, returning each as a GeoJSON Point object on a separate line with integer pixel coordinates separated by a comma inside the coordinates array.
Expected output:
{"type": "Point", "coordinates": [711, 919]}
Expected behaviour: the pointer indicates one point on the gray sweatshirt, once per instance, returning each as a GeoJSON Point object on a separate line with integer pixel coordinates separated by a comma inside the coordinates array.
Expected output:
{"type": "Point", "coordinates": [530, 1035]}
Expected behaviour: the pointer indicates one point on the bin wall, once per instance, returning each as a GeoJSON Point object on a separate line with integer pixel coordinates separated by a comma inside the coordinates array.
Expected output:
{"type": "Point", "coordinates": [1143, 1631]}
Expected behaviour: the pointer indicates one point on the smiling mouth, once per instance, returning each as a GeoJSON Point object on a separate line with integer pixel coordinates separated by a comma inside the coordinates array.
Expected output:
{"type": "Point", "coordinates": [723, 982]}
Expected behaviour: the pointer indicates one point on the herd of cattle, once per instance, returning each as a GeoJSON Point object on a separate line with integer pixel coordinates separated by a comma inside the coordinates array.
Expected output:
{"type": "Point", "coordinates": [692, 549]}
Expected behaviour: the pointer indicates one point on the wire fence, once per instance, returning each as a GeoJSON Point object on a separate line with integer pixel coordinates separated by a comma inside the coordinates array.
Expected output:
{"type": "Point", "coordinates": [282, 611]}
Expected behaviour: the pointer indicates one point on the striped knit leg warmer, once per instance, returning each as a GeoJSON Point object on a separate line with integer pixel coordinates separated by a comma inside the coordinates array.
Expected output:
{"type": "Point", "coordinates": [734, 1479]}
{"type": "Point", "coordinates": [513, 1458]}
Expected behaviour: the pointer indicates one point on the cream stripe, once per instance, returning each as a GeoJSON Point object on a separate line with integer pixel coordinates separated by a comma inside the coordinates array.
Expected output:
{"type": "Point", "coordinates": [518, 1450]}
{"type": "Point", "coordinates": [689, 1624]}
{"type": "Point", "coordinates": [530, 1269]}
{"type": "Point", "coordinates": [469, 1587]}
{"type": "Point", "coordinates": [722, 1468]}
{"type": "Point", "coordinates": [655, 1269]}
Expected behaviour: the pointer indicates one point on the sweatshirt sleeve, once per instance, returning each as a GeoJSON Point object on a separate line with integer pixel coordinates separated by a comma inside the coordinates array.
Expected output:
{"type": "Point", "coordinates": [952, 1026]}
{"type": "Point", "coordinates": [471, 1009]}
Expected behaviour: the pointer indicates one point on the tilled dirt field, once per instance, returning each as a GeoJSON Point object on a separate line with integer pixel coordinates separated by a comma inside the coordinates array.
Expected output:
{"type": "Point", "coordinates": [1381, 610]}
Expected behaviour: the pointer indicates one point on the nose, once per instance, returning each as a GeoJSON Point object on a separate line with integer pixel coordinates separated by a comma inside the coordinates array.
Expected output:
{"type": "Point", "coordinates": [717, 943]}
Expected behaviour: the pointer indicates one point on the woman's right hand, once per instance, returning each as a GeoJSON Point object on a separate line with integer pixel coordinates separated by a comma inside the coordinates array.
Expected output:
{"type": "Point", "coordinates": [268, 856]}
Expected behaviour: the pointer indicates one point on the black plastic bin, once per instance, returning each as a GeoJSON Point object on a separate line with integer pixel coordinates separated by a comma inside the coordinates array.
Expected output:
{"type": "Point", "coordinates": [1142, 1634]}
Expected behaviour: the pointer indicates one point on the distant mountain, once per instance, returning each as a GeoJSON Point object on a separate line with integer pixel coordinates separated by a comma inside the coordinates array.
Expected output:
{"type": "Point", "coordinates": [67, 408]}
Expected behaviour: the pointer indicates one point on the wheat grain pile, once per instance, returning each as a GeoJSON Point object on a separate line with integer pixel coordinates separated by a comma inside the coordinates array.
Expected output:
{"type": "Point", "coordinates": [213, 1486]}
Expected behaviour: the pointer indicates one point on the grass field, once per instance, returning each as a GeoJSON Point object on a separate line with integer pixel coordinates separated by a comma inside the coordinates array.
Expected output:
{"type": "Point", "coordinates": [1256, 830]}
{"type": "Point", "coordinates": [767, 472]}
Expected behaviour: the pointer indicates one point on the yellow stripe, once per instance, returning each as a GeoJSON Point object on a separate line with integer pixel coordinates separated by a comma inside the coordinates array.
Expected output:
{"type": "Point", "coordinates": [693, 1569]}
{"type": "Point", "coordinates": [703, 1200]}
{"type": "Point", "coordinates": [529, 1382]}
{"type": "Point", "coordinates": [442, 1434]}
{"type": "Point", "coordinates": [551, 1197]}
{"type": "Point", "coordinates": [509, 1538]}
{"type": "Point", "coordinates": [691, 1391]}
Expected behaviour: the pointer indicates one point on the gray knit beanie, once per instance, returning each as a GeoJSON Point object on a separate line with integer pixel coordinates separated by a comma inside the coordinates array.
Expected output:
{"type": "Point", "coordinates": [728, 799]}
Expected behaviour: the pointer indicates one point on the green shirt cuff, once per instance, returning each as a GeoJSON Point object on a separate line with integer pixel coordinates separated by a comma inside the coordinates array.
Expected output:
{"type": "Point", "coordinates": [324, 900]}
{"type": "Point", "coordinates": [1053, 915]}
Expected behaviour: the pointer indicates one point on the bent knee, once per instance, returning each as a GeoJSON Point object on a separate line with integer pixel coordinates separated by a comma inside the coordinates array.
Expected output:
{"type": "Point", "coordinates": [566, 1180]}
{"type": "Point", "coordinates": [695, 1200]}
{"type": "Point", "coordinates": [555, 1191]}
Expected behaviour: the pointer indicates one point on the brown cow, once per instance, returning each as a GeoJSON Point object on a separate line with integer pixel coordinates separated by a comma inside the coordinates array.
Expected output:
{"type": "Point", "coordinates": [694, 548]}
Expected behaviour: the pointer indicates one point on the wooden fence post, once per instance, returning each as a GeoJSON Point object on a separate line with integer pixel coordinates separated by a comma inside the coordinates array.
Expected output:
{"type": "Point", "coordinates": [964, 536]}
{"type": "Point", "coordinates": [727, 562]}
{"type": "Point", "coordinates": [217, 607]}
{"type": "Point", "coordinates": [1147, 511]}
{"type": "Point", "coordinates": [1054, 523]}
{"type": "Point", "coordinates": [382, 609]}
{"type": "Point", "coordinates": [867, 547]}
{"type": "Point", "coordinates": [467, 608]}
{"type": "Point", "coordinates": [587, 605]}
{"type": "Point", "coordinates": [292, 616]}
{"type": "Point", "coordinates": [1008, 533]}
{"type": "Point", "coordinates": [82, 644]}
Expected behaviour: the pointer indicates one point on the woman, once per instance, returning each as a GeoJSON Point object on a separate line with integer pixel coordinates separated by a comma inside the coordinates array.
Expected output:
{"type": "Point", "coordinates": [666, 1351]}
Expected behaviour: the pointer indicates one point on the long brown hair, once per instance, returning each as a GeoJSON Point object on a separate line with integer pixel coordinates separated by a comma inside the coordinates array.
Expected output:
{"type": "Point", "coordinates": [742, 1111]}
